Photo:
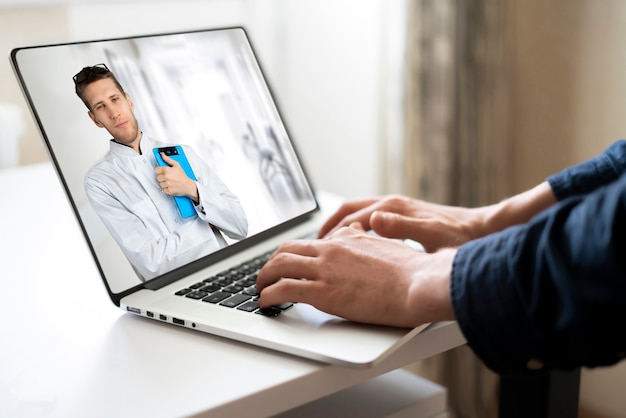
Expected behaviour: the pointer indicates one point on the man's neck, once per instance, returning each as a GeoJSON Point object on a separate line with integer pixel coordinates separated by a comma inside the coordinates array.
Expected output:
{"type": "Point", "coordinates": [135, 145]}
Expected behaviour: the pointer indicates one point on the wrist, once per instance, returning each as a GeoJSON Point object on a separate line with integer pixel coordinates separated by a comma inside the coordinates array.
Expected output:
{"type": "Point", "coordinates": [519, 208]}
{"type": "Point", "coordinates": [194, 195]}
{"type": "Point", "coordinates": [429, 296]}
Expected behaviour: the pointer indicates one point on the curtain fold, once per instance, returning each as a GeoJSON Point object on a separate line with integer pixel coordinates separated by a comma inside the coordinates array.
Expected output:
{"type": "Point", "coordinates": [457, 143]}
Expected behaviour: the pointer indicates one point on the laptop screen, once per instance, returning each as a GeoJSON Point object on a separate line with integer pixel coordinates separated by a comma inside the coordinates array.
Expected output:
{"type": "Point", "coordinates": [193, 102]}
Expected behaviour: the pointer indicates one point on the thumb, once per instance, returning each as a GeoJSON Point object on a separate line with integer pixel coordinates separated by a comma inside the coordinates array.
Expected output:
{"type": "Point", "coordinates": [171, 162]}
{"type": "Point", "coordinates": [393, 225]}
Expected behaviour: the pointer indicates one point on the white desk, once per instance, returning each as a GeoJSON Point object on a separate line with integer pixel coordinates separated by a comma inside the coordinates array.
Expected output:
{"type": "Point", "coordinates": [66, 350]}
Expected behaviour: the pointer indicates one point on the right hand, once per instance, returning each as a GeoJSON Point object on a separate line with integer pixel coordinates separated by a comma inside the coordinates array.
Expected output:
{"type": "Point", "coordinates": [397, 286]}
{"type": "Point", "coordinates": [174, 181]}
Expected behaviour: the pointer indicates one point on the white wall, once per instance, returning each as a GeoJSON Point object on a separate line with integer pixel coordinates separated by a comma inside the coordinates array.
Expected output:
{"type": "Point", "coordinates": [25, 26]}
{"type": "Point", "coordinates": [570, 101]}
{"type": "Point", "coordinates": [327, 78]}
{"type": "Point", "coordinates": [568, 84]}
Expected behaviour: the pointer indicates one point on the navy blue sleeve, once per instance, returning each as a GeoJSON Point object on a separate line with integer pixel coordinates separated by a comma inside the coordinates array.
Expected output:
{"type": "Point", "coordinates": [591, 174]}
{"type": "Point", "coordinates": [549, 294]}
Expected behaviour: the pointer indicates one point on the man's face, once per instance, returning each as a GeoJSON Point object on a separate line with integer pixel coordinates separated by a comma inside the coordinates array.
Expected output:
{"type": "Point", "coordinates": [113, 110]}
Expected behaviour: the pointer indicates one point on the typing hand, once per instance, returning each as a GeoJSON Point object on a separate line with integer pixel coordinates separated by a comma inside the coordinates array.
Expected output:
{"type": "Point", "coordinates": [360, 277]}
{"type": "Point", "coordinates": [434, 226]}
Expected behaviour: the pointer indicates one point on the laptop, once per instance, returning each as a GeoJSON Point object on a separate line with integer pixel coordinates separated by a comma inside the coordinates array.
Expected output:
{"type": "Point", "coordinates": [200, 95]}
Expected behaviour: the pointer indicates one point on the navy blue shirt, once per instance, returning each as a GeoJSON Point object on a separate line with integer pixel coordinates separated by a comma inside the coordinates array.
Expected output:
{"type": "Point", "coordinates": [551, 294]}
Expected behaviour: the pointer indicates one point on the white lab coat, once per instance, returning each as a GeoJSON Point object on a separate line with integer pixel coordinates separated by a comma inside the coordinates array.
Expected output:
{"type": "Point", "coordinates": [145, 222]}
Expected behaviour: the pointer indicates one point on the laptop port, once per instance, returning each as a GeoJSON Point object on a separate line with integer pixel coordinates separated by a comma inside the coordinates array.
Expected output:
{"type": "Point", "coordinates": [150, 314]}
{"type": "Point", "coordinates": [162, 317]}
{"type": "Point", "coordinates": [178, 321]}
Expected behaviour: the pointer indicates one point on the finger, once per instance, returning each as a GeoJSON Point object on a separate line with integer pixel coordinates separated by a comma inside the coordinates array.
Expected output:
{"type": "Point", "coordinates": [358, 226]}
{"type": "Point", "coordinates": [286, 265]}
{"type": "Point", "coordinates": [393, 225]}
{"type": "Point", "coordinates": [286, 290]}
{"type": "Point", "coordinates": [171, 162]}
{"type": "Point", "coordinates": [344, 235]}
{"type": "Point", "coordinates": [338, 219]}
{"type": "Point", "coordinates": [301, 247]}
{"type": "Point", "coordinates": [163, 172]}
{"type": "Point", "coordinates": [430, 233]}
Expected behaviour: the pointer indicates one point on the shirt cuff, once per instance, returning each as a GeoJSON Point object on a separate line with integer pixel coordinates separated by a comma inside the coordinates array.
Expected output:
{"type": "Point", "coordinates": [590, 175]}
{"type": "Point", "coordinates": [487, 309]}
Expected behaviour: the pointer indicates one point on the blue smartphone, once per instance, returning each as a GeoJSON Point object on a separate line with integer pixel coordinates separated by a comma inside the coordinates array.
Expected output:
{"type": "Point", "coordinates": [184, 204]}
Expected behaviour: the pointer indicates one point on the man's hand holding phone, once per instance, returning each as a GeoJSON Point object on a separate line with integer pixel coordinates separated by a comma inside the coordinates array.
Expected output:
{"type": "Point", "coordinates": [177, 179]}
{"type": "Point", "coordinates": [174, 181]}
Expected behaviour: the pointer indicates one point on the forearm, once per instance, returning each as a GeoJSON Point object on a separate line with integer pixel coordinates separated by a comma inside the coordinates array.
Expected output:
{"type": "Point", "coordinates": [551, 292]}
{"type": "Point", "coordinates": [580, 179]}
{"type": "Point", "coordinates": [518, 209]}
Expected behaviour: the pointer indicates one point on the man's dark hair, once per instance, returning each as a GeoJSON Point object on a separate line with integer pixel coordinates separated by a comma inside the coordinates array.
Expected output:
{"type": "Point", "coordinates": [90, 74]}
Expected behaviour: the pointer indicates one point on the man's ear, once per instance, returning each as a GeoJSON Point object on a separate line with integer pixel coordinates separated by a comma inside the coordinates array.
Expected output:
{"type": "Point", "coordinates": [93, 118]}
{"type": "Point", "coordinates": [130, 102]}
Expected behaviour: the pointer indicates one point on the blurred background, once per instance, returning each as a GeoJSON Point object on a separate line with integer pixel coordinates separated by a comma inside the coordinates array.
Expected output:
{"type": "Point", "coordinates": [458, 102]}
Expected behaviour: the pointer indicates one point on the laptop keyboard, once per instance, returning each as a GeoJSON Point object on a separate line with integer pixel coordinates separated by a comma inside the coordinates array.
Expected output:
{"type": "Point", "coordinates": [234, 288]}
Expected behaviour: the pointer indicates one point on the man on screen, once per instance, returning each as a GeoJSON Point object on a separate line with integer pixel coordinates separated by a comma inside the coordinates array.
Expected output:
{"type": "Point", "coordinates": [133, 195]}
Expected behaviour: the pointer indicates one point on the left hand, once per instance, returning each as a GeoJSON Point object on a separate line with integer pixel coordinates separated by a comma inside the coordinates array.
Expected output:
{"type": "Point", "coordinates": [174, 181]}
{"type": "Point", "coordinates": [360, 277]}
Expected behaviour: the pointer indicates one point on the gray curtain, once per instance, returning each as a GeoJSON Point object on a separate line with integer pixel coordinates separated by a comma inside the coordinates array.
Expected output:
{"type": "Point", "coordinates": [457, 143]}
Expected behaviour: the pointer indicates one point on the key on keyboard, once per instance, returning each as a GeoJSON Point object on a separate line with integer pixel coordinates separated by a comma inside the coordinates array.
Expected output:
{"type": "Point", "coordinates": [234, 288]}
